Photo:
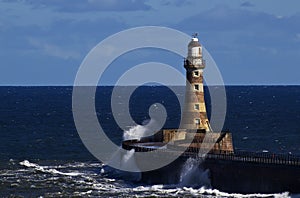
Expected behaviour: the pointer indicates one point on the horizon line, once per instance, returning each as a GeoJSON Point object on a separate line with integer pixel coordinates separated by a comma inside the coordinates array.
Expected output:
{"type": "Point", "coordinates": [145, 85]}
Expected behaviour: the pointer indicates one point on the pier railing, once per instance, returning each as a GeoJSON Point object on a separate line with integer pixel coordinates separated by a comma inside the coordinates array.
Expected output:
{"type": "Point", "coordinates": [242, 156]}
{"type": "Point", "coordinates": [268, 158]}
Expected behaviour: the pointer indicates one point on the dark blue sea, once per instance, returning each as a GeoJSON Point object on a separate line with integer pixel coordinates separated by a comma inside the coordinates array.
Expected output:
{"type": "Point", "coordinates": [41, 154]}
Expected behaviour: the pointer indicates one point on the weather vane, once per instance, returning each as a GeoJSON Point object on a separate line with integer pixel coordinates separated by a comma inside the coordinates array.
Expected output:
{"type": "Point", "coordinates": [195, 35]}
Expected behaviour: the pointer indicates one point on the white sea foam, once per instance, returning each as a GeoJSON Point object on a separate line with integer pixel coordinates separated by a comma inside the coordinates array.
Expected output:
{"type": "Point", "coordinates": [158, 190]}
{"type": "Point", "coordinates": [139, 131]}
{"type": "Point", "coordinates": [135, 132]}
{"type": "Point", "coordinates": [90, 184]}
{"type": "Point", "coordinates": [46, 169]}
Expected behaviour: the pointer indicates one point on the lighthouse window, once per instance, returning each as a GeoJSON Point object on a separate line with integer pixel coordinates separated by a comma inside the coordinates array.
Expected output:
{"type": "Point", "coordinates": [197, 121]}
{"type": "Point", "coordinates": [197, 107]}
{"type": "Point", "coordinates": [196, 73]}
{"type": "Point", "coordinates": [196, 86]}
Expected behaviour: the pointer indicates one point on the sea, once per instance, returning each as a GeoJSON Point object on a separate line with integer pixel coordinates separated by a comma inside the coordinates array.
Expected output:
{"type": "Point", "coordinates": [42, 155]}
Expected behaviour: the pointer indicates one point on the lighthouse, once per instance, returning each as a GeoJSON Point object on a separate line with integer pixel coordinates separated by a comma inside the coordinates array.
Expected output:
{"type": "Point", "coordinates": [194, 134]}
{"type": "Point", "coordinates": [194, 114]}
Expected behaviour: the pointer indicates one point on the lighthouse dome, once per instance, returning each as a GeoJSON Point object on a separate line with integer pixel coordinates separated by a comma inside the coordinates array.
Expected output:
{"type": "Point", "coordinates": [194, 43]}
{"type": "Point", "coordinates": [194, 48]}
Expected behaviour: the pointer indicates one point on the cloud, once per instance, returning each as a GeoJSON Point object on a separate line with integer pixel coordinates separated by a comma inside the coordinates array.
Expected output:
{"type": "Point", "coordinates": [62, 39]}
{"type": "Point", "coordinates": [247, 4]}
{"type": "Point", "coordinates": [33, 54]}
{"type": "Point", "coordinates": [54, 50]}
{"type": "Point", "coordinates": [63, 43]}
{"type": "Point", "coordinates": [251, 43]}
{"type": "Point", "coordinates": [256, 27]}
{"type": "Point", "coordinates": [177, 3]}
{"type": "Point", "coordinates": [88, 5]}
{"type": "Point", "coordinates": [297, 39]}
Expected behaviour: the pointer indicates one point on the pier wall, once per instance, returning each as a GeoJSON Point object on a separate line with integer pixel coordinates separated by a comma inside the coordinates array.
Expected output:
{"type": "Point", "coordinates": [234, 176]}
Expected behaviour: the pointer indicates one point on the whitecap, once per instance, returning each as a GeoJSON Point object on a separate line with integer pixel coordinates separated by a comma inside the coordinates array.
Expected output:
{"type": "Point", "coordinates": [46, 169]}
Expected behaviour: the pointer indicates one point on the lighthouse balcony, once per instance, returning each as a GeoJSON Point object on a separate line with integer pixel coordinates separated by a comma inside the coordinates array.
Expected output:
{"type": "Point", "coordinates": [189, 64]}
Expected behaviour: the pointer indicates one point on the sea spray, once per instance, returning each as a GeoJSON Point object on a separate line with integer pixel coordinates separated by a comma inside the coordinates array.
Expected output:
{"type": "Point", "coordinates": [193, 175]}
{"type": "Point", "coordinates": [137, 132]}
{"type": "Point", "coordinates": [126, 161]}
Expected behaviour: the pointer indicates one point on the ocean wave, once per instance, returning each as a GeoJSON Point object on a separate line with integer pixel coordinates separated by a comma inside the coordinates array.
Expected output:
{"type": "Point", "coordinates": [46, 169]}
{"type": "Point", "coordinates": [158, 190]}
{"type": "Point", "coordinates": [82, 181]}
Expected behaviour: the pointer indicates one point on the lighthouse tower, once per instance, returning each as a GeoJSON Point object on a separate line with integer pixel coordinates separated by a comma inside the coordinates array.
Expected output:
{"type": "Point", "coordinates": [194, 114]}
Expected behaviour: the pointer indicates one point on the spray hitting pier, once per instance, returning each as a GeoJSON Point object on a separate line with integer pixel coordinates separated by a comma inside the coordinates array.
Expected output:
{"type": "Point", "coordinates": [230, 171]}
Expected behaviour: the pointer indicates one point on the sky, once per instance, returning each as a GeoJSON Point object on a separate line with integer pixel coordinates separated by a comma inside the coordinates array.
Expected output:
{"type": "Point", "coordinates": [253, 42]}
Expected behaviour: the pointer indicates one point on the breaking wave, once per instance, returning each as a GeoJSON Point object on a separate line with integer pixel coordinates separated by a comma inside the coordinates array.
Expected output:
{"type": "Point", "coordinates": [47, 169]}
{"type": "Point", "coordinates": [93, 179]}
{"type": "Point", "coordinates": [137, 132]}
